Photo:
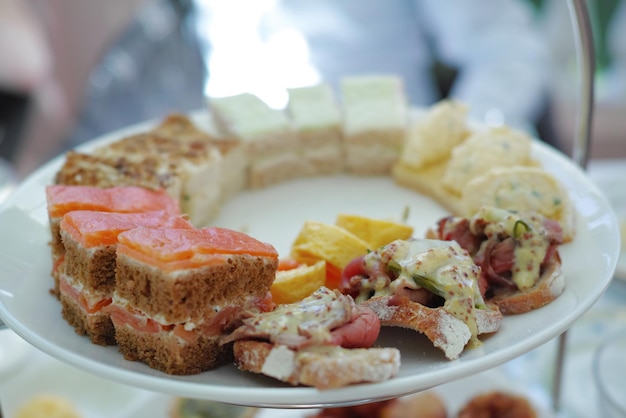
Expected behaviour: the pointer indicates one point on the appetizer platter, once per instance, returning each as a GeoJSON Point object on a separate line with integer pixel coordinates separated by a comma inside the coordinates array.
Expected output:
{"type": "Point", "coordinates": [282, 189]}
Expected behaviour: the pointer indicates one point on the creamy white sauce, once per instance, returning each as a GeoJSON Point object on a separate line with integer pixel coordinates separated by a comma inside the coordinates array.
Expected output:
{"type": "Point", "coordinates": [314, 317]}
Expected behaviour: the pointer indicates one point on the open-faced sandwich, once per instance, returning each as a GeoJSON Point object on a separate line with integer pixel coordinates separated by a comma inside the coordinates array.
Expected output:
{"type": "Point", "coordinates": [324, 340]}
{"type": "Point", "coordinates": [430, 286]}
{"type": "Point", "coordinates": [517, 252]}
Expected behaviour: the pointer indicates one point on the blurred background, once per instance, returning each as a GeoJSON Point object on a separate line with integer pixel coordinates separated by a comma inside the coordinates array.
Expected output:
{"type": "Point", "coordinates": [71, 70]}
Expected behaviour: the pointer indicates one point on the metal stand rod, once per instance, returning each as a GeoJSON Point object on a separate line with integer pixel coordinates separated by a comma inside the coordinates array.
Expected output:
{"type": "Point", "coordinates": [582, 143]}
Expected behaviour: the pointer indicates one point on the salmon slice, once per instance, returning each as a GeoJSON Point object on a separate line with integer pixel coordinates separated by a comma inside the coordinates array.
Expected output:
{"type": "Point", "coordinates": [94, 228]}
{"type": "Point", "coordinates": [169, 248]}
{"type": "Point", "coordinates": [62, 199]}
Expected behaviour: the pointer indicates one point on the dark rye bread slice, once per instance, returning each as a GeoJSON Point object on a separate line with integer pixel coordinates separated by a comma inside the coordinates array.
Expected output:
{"type": "Point", "coordinates": [195, 294]}
{"type": "Point", "coordinates": [166, 352]}
{"type": "Point", "coordinates": [324, 367]}
{"type": "Point", "coordinates": [97, 326]}
{"type": "Point", "coordinates": [94, 267]}
{"type": "Point", "coordinates": [94, 270]}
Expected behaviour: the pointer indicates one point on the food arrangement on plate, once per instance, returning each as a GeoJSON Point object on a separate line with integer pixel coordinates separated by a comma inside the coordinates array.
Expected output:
{"type": "Point", "coordinates": [137, 264]}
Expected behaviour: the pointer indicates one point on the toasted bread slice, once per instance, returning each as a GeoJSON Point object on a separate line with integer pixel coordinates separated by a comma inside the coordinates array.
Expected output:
{"type": "Point", "coordinates": [234, 157]}
{"type": "Point", "coordinates": [426, 404]}
{"type": "Point", "coordinates": [98, 171]}
{"type": "Point", "coordinates": [525, 294]}
{"type": "Point", "coordinates": [324, 367]}
{"type": "Point", "coordinates": [192, 162]}
{"type": "Point", "coordinates": [549, 286]}
{"type": "Point", "coordinates": [446, 332]}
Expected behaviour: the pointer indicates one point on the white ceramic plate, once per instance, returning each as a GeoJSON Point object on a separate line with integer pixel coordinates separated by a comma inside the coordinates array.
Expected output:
{"type": "Point", "coordinates": [275, 215]}
{"type": "Point", "coordinates": [609, 176]}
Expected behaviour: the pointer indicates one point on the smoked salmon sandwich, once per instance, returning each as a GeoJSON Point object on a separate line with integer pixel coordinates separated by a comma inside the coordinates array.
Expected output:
{"type": "Point", "coordinates": [87, 277]}
{"type": "Point", "coordinates": [178, 291]}
{"type": "Point", "coordinates": [324, 340]}
{"type": "Point", "coordinates": [62, 199]}
{"type": "Point", "coordinates": [430, 286]}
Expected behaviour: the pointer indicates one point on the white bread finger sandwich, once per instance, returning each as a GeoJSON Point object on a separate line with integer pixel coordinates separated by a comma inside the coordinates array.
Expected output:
{"type": "Point", "coordinates": [517, 252]}
{"type": "Point", "coordinates": [317, 120]}
{"type": "Point", "coordinates": [324, 341]}
{"type": "Point", "coordinates": [375, 114]}
{"type": "Point", "coordinates": [272, 146]}
{"type": "Point", "coordinates": [430, 286]}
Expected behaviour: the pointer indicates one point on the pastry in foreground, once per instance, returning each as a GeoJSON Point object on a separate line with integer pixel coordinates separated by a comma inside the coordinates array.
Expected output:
{"type": "Point", "coordinates": [426, 404]}
{"type": "Point", "coordinates": [199, 408]}
{"type": "Point", "coordinates": [497, 404]}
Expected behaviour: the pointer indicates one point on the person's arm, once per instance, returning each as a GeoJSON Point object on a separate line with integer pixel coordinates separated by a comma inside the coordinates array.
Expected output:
{"type": "Point", "coordinates": [498, 50]}
{"type": "Point", "coordinates": [67, 39]}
